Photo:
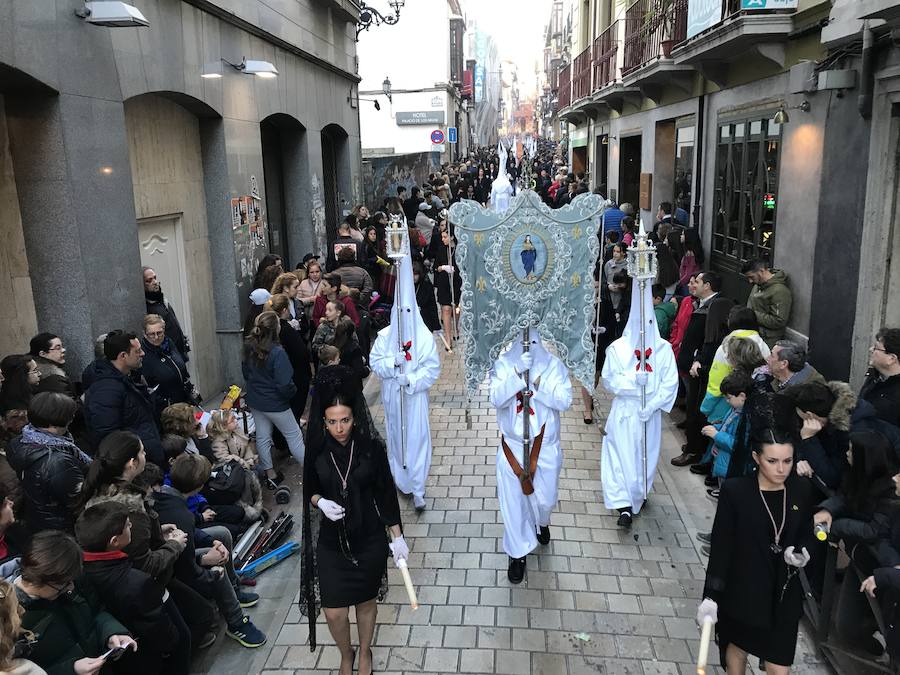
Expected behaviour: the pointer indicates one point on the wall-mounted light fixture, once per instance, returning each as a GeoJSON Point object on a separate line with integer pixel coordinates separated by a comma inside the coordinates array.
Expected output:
{"type": "Point", "coordinates": [215, 70]}
{"type": "Point", "coordinates": [386, 88]}
{"type": "Point", "coordinates": [369, 16]}
{"type": "Point", "coordinates": [112, 15]}
{"type": "Point", "coordinates": [782, 117]}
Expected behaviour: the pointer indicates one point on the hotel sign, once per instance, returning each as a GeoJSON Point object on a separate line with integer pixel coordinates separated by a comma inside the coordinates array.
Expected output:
{"type": "Point", "coordinates": [429, 117]}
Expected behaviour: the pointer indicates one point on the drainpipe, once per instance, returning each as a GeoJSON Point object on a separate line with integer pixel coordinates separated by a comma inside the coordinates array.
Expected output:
{"type": "Point", "coordinates": [867, 75]}
{"type": "Point", "coordinates": [698, 180]}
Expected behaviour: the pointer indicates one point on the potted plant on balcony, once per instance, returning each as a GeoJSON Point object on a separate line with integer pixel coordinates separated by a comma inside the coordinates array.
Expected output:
{"type": "Point", "coordinates": [662, 17]}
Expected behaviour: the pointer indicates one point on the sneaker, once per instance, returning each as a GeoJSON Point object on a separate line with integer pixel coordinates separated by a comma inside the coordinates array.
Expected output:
{"type": "Point", "coordinates": [701, 469]}
{"type": "Point", "coordinates": [704, 537]}
{"type": "Point", "coordinates": [705, 549]}
{"type": "Point", "coordinates": [711, 482]}
{"type": "Point", "coordinates": [247, 599]}
{"type": "Point", "coordinates": [624, 520]}
{"type": "Point", "coordinates": [713, 495]}
{"type": "Point", "coordinates": [206, 641]}
{"type": "Point", "coordinates": [246, 633]}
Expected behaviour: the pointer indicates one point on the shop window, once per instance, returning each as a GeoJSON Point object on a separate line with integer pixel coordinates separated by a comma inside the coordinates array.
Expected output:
{"type": "Point", "coordinates": [746, 195]}
{"type": "Point", "coordinates": [684, 166]}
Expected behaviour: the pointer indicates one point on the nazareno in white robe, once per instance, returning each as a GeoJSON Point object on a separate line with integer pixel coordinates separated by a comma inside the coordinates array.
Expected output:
{"type": "Point", "coordinates": [523, 515]}
{"type": "Point", "coordinates": [423, 368]}
{"type": "Point", "coordinates": [622, 456]}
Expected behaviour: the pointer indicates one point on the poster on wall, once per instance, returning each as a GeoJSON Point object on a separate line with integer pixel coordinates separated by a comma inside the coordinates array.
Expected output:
{"type": "Point", "coordinates": [249, 234]}
{"type": "Point", "coordinates": [702, 14]}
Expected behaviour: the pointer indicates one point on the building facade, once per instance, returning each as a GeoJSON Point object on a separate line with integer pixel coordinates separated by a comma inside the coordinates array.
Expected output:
{"type": "Point", "coordinates": [746, 114]}
{"type": "Point", "coordinates": [128, 146]}
{"type": "Point", "coordinates": [425, 91]}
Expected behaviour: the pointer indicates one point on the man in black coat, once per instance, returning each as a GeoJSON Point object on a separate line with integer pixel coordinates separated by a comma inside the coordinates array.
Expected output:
{"type": "Point", "coordinates": [156, 304]}
{"type": "Point", "coordinates": [702, 337]}
{"type": "Point", "coordinates": [115, 400]}
{"type": "Point", "coordinates": [882, 385]}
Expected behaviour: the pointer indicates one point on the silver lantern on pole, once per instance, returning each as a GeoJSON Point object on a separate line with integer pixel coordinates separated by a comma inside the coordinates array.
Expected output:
{"type": "Point", "coordinates": [397, 245]}
{"type": "Point", "coordinates": [642, 269]}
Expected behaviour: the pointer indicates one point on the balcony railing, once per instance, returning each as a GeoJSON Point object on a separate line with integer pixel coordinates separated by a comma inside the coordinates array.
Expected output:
{"type": "Point", "coordinates": [565, 86]}
{"type": "Point", "coordinates": [605, 48]}
{"type": "Point", "coordinates": [581, 75]}
{"type": "Point", "coordinates": [651, 23]}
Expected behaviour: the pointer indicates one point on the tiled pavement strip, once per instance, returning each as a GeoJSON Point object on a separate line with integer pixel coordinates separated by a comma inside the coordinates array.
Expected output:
{"type": "Point", "coordinates": [595, 600]}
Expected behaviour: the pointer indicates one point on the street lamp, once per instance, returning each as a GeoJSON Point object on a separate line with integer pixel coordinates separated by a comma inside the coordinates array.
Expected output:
{"type": "Point", "coordinates": [369, 16]}
{"type": "Point", "coordinates": [386, 88]}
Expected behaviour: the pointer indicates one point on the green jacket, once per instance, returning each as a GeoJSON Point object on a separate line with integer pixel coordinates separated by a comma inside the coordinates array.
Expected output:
{"type": "Point", "coordinates": [665, 315]}
{"type": "Point", "coordinates": [67, 629]}
{"type": "Point", "coordinates": [772, 303]}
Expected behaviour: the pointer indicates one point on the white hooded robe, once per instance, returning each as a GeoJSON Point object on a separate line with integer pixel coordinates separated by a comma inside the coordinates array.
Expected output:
{"type": "Point", "coordinates": [523, 515]}
{"type": "Point", "coordinates": [622, 456]}
{"type": "Point", "coordinates": [422, 368]}
{"type": "Point", "coordinates": [501, 188]}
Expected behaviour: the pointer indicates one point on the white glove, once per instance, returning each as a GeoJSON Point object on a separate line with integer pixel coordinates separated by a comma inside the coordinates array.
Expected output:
{"type": "Point", "coordinates": [640, 378]}
{"type": "Point", "coordinates": [796, 559]}
{"type": "Point", "coordinates": [402, 379]}
{"type": "Point", "coordinates": [708, 609]}
{"type": "Point", "coordinates": [332, 511]}
{"type": "Point", "coordinates": [399, 550]}
{"type": "Point", "coordinates": [645, 414]}
{"type": "Point", "coordinates": [525, 362]}
{"type": "Point", "coordinates": [400, 358]}
{"type": "Point", "coordinates": [445, 268]}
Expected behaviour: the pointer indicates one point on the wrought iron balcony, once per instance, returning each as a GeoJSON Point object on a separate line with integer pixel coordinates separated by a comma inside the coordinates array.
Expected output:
{"type": "Point", "coordinates": [605, 51]}
{"type": "Point", "coordinates": [565, 86]}
{"type": "Point", "coordinates": [581, 75]}
{"type": "Point", "coordinates": [652, 28]}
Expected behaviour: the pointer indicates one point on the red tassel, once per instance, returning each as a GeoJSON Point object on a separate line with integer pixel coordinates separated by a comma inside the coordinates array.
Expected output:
{"type": "Point", "coordinates": [406, 349]}
{"type": "Point", "coordinates": [520, 398]}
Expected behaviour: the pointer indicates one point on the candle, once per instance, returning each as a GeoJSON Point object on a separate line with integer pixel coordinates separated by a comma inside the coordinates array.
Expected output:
{"type": "Point", "coordinates": [407, 581]}
{"type": "Point", "coordinates": [704, 646]}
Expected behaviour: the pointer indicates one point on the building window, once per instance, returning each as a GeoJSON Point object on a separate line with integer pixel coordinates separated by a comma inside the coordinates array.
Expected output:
{"type": "Point", "coordinates": [746, 194]}
{"type": "Point", "coordinates": [684, 165]}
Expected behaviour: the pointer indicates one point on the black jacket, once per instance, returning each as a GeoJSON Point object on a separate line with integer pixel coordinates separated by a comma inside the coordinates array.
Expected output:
{"type": "Point", "coordinates": [884, 394]}
{"type": "Point", "coordinates": [298, 354]}
{"type": "Point", "coordinates": [51, 470]}
{"type": "Point", "coordinates": [156, 304]}
{"type": "Point", "coordinates": [135, 599]}
{"type": "Point", "coordinates": [704, 333]}
{"type": "Point", "coordinates": [172, 508]}
{"type": "Point", "coordinates": [744, 576]}
{"type": "Point", "coordinates": [427, 305]}
{"type": "Point", "coordinates": [165, 369]}
{"type": "Point", "coordinates": [114, 402]}
{"type": "Point", "coordinates": [331, 262]}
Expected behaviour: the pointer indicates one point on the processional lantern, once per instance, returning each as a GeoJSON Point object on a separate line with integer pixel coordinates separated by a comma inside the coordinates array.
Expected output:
{"type": "Point", "coordinates": [397, 244]}
{"type": "Point", "coordinates": [641, 257]}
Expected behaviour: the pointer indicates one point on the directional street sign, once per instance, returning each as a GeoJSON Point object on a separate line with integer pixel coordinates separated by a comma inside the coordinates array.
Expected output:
{"type": "Point", "coordinates": [451, 134]}
{"type": "Point", "coordinates": [437, 136]}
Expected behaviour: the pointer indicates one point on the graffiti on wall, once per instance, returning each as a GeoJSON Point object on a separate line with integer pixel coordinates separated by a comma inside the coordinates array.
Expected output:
{"type": "Point", "coordinates": [386, 174]}
{"type": "Point", "coordinates": [320, 233]}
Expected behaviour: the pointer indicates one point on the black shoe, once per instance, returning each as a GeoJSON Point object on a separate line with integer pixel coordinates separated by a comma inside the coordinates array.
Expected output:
{"type": "Point", "coordinates": [705, 550]}
{"type": "Point", "coordinates": [705, 537]}
{"type": "Point", "coordinates": [516, 571]}
{"type": "Point", "coordinates": [711, 482]}
{"type": "Point", "coordinates": [544, 535]}
{"type": "Point", "coordinates": [624, 520]}
{"type": "Point", "coordinates": [587, 420]}
{"type": "Point", "coordinates": [713, 495]}
{"type": "Point", "coordinates": [701, 469]}
{"type": "Point", "coordinates": [685, 459]}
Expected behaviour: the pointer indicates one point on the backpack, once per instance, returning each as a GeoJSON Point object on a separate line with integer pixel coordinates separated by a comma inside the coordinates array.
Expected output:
{"type": "Point", "coordinates": [225, 484]}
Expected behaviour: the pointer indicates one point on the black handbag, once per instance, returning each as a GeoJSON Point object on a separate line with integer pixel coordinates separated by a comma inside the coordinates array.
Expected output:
{"type": "Point", "coordinates": [225, 484]}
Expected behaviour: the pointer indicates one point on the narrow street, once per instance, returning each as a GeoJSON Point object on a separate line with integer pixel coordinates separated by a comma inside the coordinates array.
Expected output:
{"type": "Point", "coordinates": [595, 600]}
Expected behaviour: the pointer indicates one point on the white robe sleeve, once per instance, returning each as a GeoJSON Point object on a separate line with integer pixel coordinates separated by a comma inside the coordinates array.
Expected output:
{"type": "Point", "coordinates": [616, 379]}
{"type": "Point", "coordinates": [667, 382]}
{"type": "Point", "coordinates": [505, 384]}
{"type": "Point", "coordinates": [427, 370]}
{"type": "Point", "coordinates": [555, 390]}
{"type": "Point", "coordinates": [381, 358]}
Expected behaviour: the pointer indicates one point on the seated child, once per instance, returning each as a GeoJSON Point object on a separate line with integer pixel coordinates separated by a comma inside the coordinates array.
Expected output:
{"type": "Point", "coordinates": [228, 442]}
{"type": "Point", "coordinates": [130, 595]}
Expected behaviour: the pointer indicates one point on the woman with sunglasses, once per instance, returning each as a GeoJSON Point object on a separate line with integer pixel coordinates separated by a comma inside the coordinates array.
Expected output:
{"type": "Point", "coordinates": [349, 493]}
{"type": "Point", "coordinates": [73, 633]}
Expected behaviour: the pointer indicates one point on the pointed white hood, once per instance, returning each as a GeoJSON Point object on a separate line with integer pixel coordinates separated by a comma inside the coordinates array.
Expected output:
{"type": "Point", "coordinates": [406, 320]}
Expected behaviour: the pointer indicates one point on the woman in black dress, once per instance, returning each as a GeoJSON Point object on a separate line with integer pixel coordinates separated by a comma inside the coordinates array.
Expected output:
{"type": "Point", "coordinates": [760, 538]}
{"type": "Point", "coordinates": [425, 297]}
{"type": "Point", "coordinates": [445, 273]}
{"type": "Point", "coordinates": [349, 498]}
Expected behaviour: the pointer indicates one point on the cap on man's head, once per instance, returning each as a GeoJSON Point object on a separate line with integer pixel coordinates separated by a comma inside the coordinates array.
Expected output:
{"type": "Point", "coordinates": [260, 296]}
{"type": "Point", "coordinates": [308, 257]}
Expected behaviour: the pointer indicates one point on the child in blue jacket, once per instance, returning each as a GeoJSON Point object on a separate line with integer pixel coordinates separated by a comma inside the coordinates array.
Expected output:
{"type": "Point", "coordinates": [734, 388]}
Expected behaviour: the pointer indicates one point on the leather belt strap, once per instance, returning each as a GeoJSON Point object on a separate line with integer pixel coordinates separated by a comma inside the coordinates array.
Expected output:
{"type": "Point", "coordinates": [525, 479]}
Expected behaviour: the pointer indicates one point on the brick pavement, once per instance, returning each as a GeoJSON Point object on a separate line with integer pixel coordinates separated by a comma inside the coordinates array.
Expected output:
{"type": "Point", "coordinates": [595, 600]}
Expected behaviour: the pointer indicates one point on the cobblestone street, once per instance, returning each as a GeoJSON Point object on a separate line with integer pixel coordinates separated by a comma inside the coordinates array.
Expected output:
{"type": "Point", "coordinates": [595, 600]}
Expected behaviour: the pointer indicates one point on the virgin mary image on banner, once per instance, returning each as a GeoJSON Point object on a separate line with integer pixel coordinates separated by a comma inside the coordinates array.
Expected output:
{"type": "Point", "coordinates": [528, 258]}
